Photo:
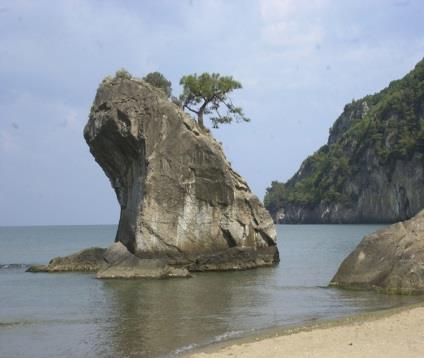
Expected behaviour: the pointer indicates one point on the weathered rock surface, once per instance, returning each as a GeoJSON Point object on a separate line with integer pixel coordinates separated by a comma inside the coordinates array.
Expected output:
{"type": "Point", "coordinates": [180, 200]}
{"type": "Point", "coordinates": [88, 260]}
{"type": "Point", "coordinates": [120, 263]}
{"type": "Point", "coordinates": [381, 195]}
{"type": "Point", "coordinates": [114, 262]}
{"type": "Point", "coordinates": [390, 260]}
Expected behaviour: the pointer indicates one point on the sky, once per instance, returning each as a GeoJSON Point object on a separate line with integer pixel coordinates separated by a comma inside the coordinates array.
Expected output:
{"type": "Point", "coordinates": [299, 61]}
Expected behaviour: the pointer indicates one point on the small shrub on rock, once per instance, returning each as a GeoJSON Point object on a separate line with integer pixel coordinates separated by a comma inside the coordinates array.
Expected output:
{"type": "Point", "coordinates": [123, 73]}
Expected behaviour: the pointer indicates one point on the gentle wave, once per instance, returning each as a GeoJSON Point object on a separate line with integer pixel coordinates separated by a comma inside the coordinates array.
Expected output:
{"type": "Point", "coordinates": [9, 324]}
{"type": "Point", "coordinates": [217, 339]}
{"type": "Point", "coordinates": [13, 266]}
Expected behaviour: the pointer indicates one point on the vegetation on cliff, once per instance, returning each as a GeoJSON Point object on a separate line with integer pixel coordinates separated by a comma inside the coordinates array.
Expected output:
{"type": "Point", "coordinates": [388, 125]}
{"type": "Point", "coordinates": [158, 80]}
{"type": "Point", "coordinates": [208, 94]}
{"type": "Point", "coordinates": [203, 95]}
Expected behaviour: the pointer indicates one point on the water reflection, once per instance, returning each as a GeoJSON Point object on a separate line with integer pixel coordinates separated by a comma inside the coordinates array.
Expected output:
{"type": "Point", "coordinates": [150, 317]}
{"type": "Point", "coordinates": [75, 315]}
{"type": "Point", "coordinates": [153, 318]}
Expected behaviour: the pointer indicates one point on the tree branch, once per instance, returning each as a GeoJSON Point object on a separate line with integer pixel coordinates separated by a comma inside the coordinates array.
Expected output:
{"type": "Point", "coordinates": [190, 109]}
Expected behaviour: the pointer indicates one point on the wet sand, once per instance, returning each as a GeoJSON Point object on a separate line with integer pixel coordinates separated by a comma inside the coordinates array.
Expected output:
{"type": "Point", "coordinates": [391, 333]}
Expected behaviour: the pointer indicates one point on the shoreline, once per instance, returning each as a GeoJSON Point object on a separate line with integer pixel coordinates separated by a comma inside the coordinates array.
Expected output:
{"type": "Point", "coordinates": [268, 337]}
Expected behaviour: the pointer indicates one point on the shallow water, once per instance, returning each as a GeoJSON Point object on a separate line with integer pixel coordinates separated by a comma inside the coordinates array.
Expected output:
{"type": "Point", "coordinates": [75, 315]}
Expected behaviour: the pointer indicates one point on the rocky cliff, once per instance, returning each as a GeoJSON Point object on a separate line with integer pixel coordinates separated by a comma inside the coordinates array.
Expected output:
{"type": "Point", "coordinates": [180, 200]}
{"type": "Point", "coordinates": [371, 169]}
{"type": "Point", "coordinates": [390, 260]}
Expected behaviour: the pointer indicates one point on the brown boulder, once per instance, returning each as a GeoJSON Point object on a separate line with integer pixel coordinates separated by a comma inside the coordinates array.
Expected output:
{"type": "Point", "coordinates": [390, 260]}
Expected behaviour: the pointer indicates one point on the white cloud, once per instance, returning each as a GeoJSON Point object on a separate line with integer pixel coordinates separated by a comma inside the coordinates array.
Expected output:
{"type": "Point", "coordinates": [57, 46]}
{"type": "Point", "coordinates": [291, 34]}
{"type": "Point", "coordinates": [72, 120]}
{"type": "Point", "coordinates": [299, 61]}
{"type": "Point", "coordinates": [7, 142]}
{"type": "Point", "coordinates": [293, 23]}
{"type": "Point", "coordinates": [283, 9]}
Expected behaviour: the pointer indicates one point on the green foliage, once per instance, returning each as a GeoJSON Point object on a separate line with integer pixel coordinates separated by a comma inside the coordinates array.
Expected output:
{"type": "Point", "coordinates": [275, 196]}
{"type": "Point", "coordinates": [326, 173]}
{"type": "Point", "coordinates": [123, 73]}
{"type": "Point", "coordinates": [208, 94]}
{"type": "Point", "coordinates": [158, 80]}
{"type": "Point", "coordinates": [392, 129]}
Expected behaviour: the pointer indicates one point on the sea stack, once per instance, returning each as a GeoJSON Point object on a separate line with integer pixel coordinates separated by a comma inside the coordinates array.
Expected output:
{"type": "Point", "coordinates": [390, 260]}
{"type": "Point", "coordinates": [181, 202]}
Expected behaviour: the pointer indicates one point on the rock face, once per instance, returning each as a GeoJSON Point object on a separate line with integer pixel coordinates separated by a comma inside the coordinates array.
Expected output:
{"type": "Point", "coordinates": [390, 260]}
{"type": "Point", "coordinates": [180, 200]}
{"type": "Point", "coordinates": [378, 194]}
{"type": "Point", "coordinates": [370, 170]}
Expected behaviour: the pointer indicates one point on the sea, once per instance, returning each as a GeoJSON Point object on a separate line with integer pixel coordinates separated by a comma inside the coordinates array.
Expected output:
{"type": "Point", "coordinates": [76, 315]}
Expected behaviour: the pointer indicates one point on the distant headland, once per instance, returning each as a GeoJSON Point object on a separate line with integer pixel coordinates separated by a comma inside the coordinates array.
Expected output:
{"type": "Point", "coordinates": [371, 169]}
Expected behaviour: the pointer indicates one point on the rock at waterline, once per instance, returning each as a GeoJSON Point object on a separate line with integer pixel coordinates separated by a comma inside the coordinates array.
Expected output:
{"type": "Point", "coordinates": [390, 260]}
{"type": "Point", "coordinates": [181, 202]}
{"type": "Point", "coordinates": [114, 262]}
{"type": "Point", "coordinates": [120, 263]}
{"type": "Point", "coordinates": [88, 260]}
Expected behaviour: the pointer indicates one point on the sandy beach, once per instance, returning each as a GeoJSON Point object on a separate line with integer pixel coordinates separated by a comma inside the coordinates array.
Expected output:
{"type": "Point", "coordinates": [394, 333]}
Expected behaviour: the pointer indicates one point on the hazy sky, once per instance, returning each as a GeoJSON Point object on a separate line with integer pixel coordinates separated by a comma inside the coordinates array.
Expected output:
{"type": "Point", "coordinates": [299, 61]}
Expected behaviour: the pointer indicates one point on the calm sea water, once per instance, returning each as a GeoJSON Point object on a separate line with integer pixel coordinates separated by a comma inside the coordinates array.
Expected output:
{"type": "Point", "coordinates": [75, 315]}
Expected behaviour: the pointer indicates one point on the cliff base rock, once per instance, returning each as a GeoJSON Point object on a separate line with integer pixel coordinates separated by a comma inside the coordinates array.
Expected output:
{"type": "Point", "coordinates": [235, 258]}
{"type": "Point", "coordinates": [120, 263]}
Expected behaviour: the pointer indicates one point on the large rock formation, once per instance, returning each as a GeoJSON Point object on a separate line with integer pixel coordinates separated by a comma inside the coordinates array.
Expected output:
{"type": "Point", "coordinates": [371, 169]}
{"type": "Point", "coordinates": [180, 200]}
{"type": "Point", "coordinates": [390, 260]}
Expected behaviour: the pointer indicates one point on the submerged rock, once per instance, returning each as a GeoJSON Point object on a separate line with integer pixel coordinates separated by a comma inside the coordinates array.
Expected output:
{"type": "Point", "coordinates": [88, 260]}
{"type": "Point", "coordinates": [390, 260]}
{"type": "Point", "coordinates": [180, 200]}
